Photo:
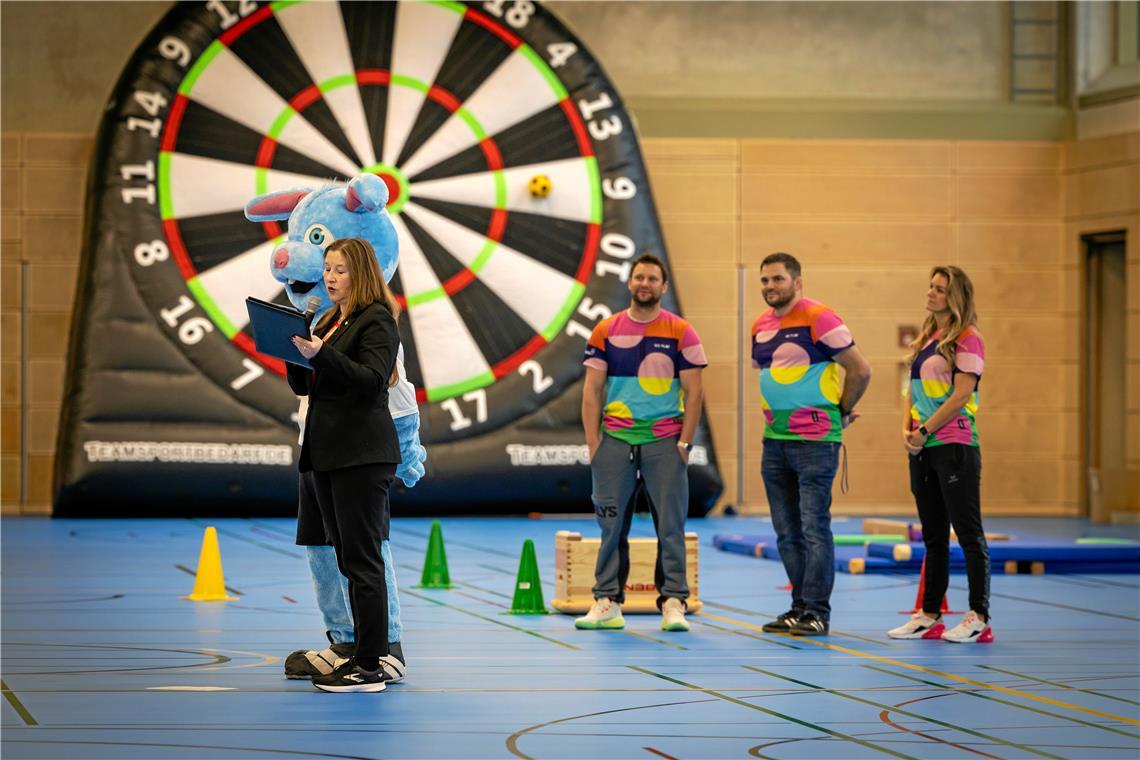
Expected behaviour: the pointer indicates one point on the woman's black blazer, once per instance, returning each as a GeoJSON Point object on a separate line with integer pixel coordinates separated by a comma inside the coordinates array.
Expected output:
{"type": "Point", "coordinates": [348, 422]}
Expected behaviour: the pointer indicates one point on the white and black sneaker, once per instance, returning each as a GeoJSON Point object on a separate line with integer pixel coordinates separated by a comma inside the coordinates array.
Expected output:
{"type": "Point", "coordinates": [349, 676]}
{"type": "Point", "coordinates": [920, 626]}
{"type": "Point", "coordinates": [306, 663]}
{"type": "Point", "coordinates": [972, 630]}
{"type": "Point", "coordinates": [784, 623]}
{"type": "Point", "coordinates": [392, 668]}
{"type": "Point", "coordinates": [809, 624]}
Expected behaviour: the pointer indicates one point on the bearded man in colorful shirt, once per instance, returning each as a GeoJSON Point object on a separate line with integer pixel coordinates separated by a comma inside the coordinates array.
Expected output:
{"type": "Point", "coordinates": [798, 345]}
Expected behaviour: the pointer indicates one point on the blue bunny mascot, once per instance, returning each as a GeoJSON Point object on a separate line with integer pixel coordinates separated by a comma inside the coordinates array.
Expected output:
{"type": "Point", "coordinates": [317, 218]}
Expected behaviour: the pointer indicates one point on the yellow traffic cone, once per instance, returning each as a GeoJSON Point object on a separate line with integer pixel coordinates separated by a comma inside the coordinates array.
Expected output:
{"type": "Point", "coordinates": [209, 583]}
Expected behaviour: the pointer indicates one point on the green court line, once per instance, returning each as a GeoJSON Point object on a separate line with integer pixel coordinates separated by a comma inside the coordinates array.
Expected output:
{"type": "Point", "coordinates": [216, 316]}
{"type": "Point", "coordinates": [957, 690]}
{"type": "Point", "coordinates": [1060, 685]}
{"type": "Point", "coordinates": [17, 705]}
{"type": "Point", "coordinates": [444, 392]}
{"type": "Point", "coordinates": [551, 78]}
{"type": "Point", "coordinates": [908, 713]}
{"type": "Point", "coordinates": [789, 718]}
{"type": "Point", "coordinates": [528, 632]}
{"type": "Point", "coordinates": [655, 640]}
{"type": "Point", "coordinates": [551, 330]}
{"type": "Point", "coordinates": [699, 618]}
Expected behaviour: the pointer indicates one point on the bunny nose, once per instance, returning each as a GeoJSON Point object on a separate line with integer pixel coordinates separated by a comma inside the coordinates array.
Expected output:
{"type": "Point", "coordinates": [280, 258]}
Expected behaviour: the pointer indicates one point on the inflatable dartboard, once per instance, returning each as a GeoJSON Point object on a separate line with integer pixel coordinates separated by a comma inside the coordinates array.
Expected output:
{"type": "Point", "coordinates": [519, 198]}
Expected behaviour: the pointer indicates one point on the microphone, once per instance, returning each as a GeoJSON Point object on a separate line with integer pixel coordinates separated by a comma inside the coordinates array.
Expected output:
{"type": "Point", "coordinates": [314, 303]}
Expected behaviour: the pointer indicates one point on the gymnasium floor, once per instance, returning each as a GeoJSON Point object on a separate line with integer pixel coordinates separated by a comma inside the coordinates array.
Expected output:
{"type": "Point", "coordinates": [102, 659]}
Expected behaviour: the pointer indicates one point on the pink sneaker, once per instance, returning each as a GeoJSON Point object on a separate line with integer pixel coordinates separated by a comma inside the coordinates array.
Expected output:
{"type": "Point", "coordinates": [972, 630]}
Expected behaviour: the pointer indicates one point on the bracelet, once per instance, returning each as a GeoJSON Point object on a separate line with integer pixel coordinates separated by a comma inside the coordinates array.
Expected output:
{"type": "Point", "coordinates": [685, 445]}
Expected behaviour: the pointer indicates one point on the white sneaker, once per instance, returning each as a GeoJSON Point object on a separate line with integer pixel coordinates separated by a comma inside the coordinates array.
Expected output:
{"type": "Point", "coordinates": [920, 626]}
{"type": "Point", "coordinates": [605, 613]}
{"type": "Point", "coordinates": [673, 615]}
{"type": "Point", "coordinates": [972, 630]}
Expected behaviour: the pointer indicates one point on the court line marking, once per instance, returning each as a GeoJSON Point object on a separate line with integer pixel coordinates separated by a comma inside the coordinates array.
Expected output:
{"type": "Point", "coordinates": [17, 705]}
{"type": "Point", "coordinates": [1060, 685]}
{"type": "Point", "coordinates": [789, 718]}
{"type": "Point", "coordinates": [885, 717]}
{"type": "Point", "coordinates": [908, 713]}
{"type": "Point", "coordinates": [930, 671]}
{"type": "Point", "coordinates": [536, 634]}
{"type": "Point", "coordinates": [194, 574]}
{"type": "Point", "coordinates": [1039, 711]}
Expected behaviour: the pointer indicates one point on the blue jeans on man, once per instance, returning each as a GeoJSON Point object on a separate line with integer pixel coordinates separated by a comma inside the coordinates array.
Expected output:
{"type": "Point", "coordinates": [797, 478]}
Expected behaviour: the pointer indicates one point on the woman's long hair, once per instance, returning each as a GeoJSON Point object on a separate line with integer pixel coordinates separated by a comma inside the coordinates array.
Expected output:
{"type": "Point", "coordinates": [960, 302]}
{"type": "Point", "coordinates": [367, 284]}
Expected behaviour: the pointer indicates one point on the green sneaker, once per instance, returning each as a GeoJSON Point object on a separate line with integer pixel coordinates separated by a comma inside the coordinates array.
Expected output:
{"type": "Point", "coordinates": [673, 616]}
{"type": "Point", "coordinates": [605, 613]}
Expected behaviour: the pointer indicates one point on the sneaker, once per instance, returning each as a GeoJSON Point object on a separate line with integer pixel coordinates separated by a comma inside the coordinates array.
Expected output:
{"type": "Point", "coordinates": [673, 615]}
{"type": "Point", "coordinates": [605, 613]}
{"type": "Point", "coordinates": [784, 623]}
{"type": "Point", "coordinates": [920, 626]}
{"type": "Point", "coordinates": [972, 630]}
{"type": "Point", "coordinates": [809, 624]}
{"type": "Point", "coordinates": [349, 676]}
{"type": "Point", "coordinates": [307, 663]}
{"type": "Point", "coordinates": [392, 668]}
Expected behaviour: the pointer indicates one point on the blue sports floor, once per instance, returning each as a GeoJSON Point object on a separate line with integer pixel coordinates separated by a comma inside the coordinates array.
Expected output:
{"type": "Point", "coordinates": [102, 659]}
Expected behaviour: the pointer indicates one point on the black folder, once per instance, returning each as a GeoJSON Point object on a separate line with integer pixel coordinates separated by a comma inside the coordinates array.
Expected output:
{"type": "Point", "coordinates": [274, 326]}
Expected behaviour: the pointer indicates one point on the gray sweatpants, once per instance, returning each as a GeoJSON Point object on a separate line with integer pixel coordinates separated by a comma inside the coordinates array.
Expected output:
{"type": "Point", "coordinates": [663, 475]}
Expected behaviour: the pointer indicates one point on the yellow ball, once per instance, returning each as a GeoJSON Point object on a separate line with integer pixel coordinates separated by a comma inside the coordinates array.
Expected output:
{"type": "Point", "coordinates": [540, 186]}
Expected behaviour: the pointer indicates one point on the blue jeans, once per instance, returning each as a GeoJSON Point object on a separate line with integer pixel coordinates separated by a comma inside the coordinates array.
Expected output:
{"type": "Point", "coordinates": [797, 478]}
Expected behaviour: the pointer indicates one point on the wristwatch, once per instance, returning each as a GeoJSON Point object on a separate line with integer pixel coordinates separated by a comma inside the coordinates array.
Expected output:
{"type": "Point", "coordinates": [922, 429]}
{"type": "Point", "coordinates": [685, 445]}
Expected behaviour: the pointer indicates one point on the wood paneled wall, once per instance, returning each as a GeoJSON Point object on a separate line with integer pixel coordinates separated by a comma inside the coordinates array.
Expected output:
{"type": "Point", "coordinates": [866, 218]}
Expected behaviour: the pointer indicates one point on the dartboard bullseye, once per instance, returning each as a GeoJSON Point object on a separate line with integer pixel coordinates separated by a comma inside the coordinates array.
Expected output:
{"type": "Point", "coordinates": [518, 197]}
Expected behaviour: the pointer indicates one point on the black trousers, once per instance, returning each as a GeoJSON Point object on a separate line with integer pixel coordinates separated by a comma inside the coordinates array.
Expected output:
{"type": "Point", "coordinates": [353, 502]}
{"type": "Point", "coordinates": [946, 483]}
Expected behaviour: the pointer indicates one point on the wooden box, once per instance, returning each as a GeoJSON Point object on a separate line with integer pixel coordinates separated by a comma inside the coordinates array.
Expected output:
{"type": "Point", "coordinates": [574, 560]}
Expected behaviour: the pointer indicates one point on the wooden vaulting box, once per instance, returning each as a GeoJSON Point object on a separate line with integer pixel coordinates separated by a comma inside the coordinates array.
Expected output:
{"type": "Point", "coordinates": [574, 560]}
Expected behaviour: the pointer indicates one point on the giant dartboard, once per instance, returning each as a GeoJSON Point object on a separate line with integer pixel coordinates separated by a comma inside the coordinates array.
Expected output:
{"type": "Point", "coordinates": [457, 107]}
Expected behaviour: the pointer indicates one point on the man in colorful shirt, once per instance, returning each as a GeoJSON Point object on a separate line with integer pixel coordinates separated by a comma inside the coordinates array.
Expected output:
{"type": "Point", "coordinates": [796, 345]}
{"type": "Point", "coordinates": [641, 403]}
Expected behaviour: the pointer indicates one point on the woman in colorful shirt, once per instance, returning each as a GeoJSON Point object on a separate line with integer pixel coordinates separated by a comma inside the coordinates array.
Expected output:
{"type": "Point", "coordinates": [940, 435]}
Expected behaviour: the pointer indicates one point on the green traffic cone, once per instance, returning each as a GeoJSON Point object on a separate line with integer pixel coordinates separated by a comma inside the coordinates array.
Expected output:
{"type": "Point", "coordinates": [528, 588]}
{"type": "Point", "coordinates": [435, 573]}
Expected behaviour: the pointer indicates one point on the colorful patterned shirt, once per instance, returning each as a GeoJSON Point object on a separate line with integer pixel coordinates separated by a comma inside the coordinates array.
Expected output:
{"type": "Point", "coordinates": [799, 380]}
{"type": "Point", "coordinates": [643, 362]}
{"type": "Point", "coordinates": [932, 382]}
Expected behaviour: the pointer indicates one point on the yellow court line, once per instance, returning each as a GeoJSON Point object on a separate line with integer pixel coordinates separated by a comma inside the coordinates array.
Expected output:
{"type": "Point", "coordinates": [951, 676]}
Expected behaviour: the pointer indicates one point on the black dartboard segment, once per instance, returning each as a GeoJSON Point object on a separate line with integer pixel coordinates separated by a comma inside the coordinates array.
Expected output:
{"type": "Point", "coordinates": [457, 106]}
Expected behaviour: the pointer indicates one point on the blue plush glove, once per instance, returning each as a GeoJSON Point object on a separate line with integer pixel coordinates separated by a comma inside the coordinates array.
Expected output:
{"type": "Point", "coordinates": [412, 468]}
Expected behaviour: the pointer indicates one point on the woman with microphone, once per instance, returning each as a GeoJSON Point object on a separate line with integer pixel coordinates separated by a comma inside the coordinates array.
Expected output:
{"type": "Point", "coordinates": [350, 443]}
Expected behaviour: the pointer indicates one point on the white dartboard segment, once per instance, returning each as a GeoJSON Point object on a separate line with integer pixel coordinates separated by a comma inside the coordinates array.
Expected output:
{"type": "Point", "coordinates": [202, 186]}
{"type": "Point", "coordinates": [316, 31]}
{"type": "Point", "coordinates": [424, 33]}
{"type": "Point", "coordinates": [246, 274]}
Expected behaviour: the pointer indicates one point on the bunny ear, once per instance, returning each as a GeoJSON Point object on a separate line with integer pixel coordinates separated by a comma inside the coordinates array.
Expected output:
{"type": "Point", "coordinates": [274, 206]}
{"type": "Point", "coordinates": [366, 192]}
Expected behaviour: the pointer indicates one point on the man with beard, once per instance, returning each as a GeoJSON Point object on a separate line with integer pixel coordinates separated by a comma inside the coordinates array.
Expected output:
{"type": "Point", "coordinates": [796, 345]}
{"type": "Point", "coordinates": [640, 406]}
